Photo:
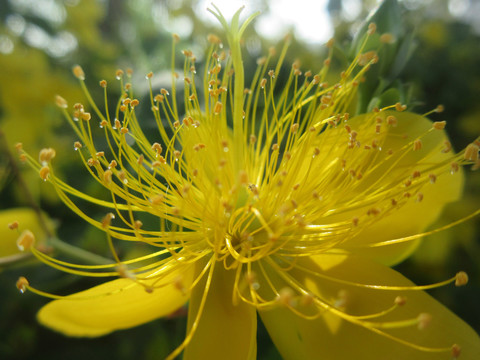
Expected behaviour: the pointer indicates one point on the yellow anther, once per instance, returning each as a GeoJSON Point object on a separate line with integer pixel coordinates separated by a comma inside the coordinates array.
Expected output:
{"type": "Point", "coordinates": [86, 116]}
{"type": "Point", "coordinates": [26, 240]}
{"type": "Point", "coordinates": [372, 27]}
{"type": "Point", "coordinates": [392, 120]}
{"type": "Point", "coordinates": [124, 130]}
{"type": "Point", "coordinates": [373, 211]}
{"type": "Point", "coordinates": [164, 92]}
{"type": "Point", "coordinates": [419, 197]}
{"type": "Point", "coordinates": [103, 83]}
{"type": "Point", "coordinates": [78, 72]}
{"type": "Point", "coordinates": [275, 147]}
{"type": "Point", "coordinates": [113, 164]}
{"type": "Point", "coordinates": [424, 320]}
{"type": "Point", "coordinates": [157, 199]}
{"type": "Point", "coordinates": [19, 146]}
{"type": "Point", "coordinates": [119, 74]}
{"type": "Point", "coordinates": [214, 39]}
{"type": "Point", "coordinates": [107, 176]}
{"type": "Point", "coordinates": [400, 300]}
{"type": "Point", "coordinates": [46, 155]}
{"type": "Point", "coordinates": [217, 108]}
{"type": "Point", "coordinates": [286, 296]}
{"type": "Point", "coordinates": [177, 154]}
{"type": "Point", "coordinates": [365, 58]}
{"type": "Point", "coordinates": [263, 82]}
{"type": "Point", "coordinates": [61, 102]}
{"type": "Point", "coordinates": [399, 107]}
{"type": "Point", "coordinates": [417, 145]}
{"type": "Point", "coordinates": [471, 152]}
{"type": "Point", "coordinates": [137, 224]}
{"type": "Point", "coordinates": [122, 176]}
{"type": "Point", "coordinates": [388, 38]}
{"type": "Point", "coordinates": [294, 128]}
{"type": "Point", "coordinates": [355, 221]}
{"type": "Point", "coordinates": [92, 162]}
{"type": "Point", "coordinates": [433, 178]}
{"type": "Point", "coordinates": [13, 225]}
{"type": "Point", "coordinates": [253, 139]}
{"type": "Point", "coordinates": [454, 167]}
{"type": "Point", "coordinates": [461, 278]}
{"type": "Point", "coordinates": [440, 108]}
{"type": "Point", "coordinates": [44, 173]}
{"type": "Point", "coordinates": [178, 284]}
{"type": "Point", "coordinates": [107, 219]}
{"type": "Point", "coordinates": [134, 103]}
{"type": "Point", "coordinates": [22, 284]}
{"type": "Point", "coordinates": [456, 351]}
{"type": "Point", "coordinates": [316, 151]}
{"type": "Point", "coordinates": [439, 125]}
{"type": "Point", "coordinates": [103, 123]}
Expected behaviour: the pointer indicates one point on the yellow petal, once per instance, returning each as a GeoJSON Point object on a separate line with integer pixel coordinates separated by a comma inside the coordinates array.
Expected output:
{"type": "Point", "coordinates": [329, 337]}
{"type": "Point", "coordinates": [225, 330]}
{"type": "Point", "coordinates": [115, 305]}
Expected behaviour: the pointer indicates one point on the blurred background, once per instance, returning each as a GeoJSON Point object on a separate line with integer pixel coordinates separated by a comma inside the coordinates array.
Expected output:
{"type": "Point", "coordinates": [40, 41]}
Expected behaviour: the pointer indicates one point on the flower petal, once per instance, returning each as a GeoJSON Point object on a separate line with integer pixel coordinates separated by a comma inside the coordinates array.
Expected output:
{"type": "Point", "coordinates": [330, 337]}
{"type": "Point", "coordinates": [115, 305]}
{"type": "Point", "coordinates": [225, 330]}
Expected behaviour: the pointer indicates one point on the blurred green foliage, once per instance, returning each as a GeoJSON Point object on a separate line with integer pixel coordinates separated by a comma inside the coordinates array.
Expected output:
{"type": "Point", "coordinates": [105, 35]}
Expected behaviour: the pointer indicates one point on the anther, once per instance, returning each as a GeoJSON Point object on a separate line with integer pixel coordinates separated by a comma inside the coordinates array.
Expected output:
{"type": "Point", "coordinates": [86, 116]}
{"type": "Point", "coordinates": [456, 351]}
{"type": "Point", "coordinates": [400, 300]}
{"type": "Point", "coordinates": [439, 125]}
{"type": "Point", "coordinates": [107, 219]}
{"type": "Point", "coordinates": [19, 146]}
{"type": "Point", "coordinates": [107, 176]}
{"type": "Point", "coordinates": [44, 173]}
{"type": "Point", "coordinates": [61, 102]}
{"type": "Point", "coordinates": [399, 107]}
{"type": "Point", "coordinates": [417, 145]}
{"type": "Point", "coordinates": [137, 224]}
{"type": "Point", "coordinates": [286, 296]}
{"type": "Point", "coordinates": [13, 225]}
{"type": "Point", "coordinates": [118, 74]}
{"type": "Point", "coordinates": [103, 83]}
{"type": "Point", "coordinates": [433, 178]}
{"type": "Point", "coordinates": [275, 147]}
{"type": "Point", "coordinates": [454, 167]}
{"type": "Point", "coordinates": [388, 38]}
{"type": "Point", "coordinates": [372, 27]}
{"type": "Point", "coordinates": [447, 146]}
{"type": "Point", "coordinates": [78, 72]}
{"type": "Point", "coordinates": [461, 278]}
{"type": "Point", "coordinates": [294, 128]}
{"type": "Point", "coordinates": [471, 152]}
{"type": "Point", "coordinates": [424, 320]}
{"type": "Point", "coordinates": [392, 120]}
{"type": "Point", "coordinates": [355, 221]}
{"type": "Point", "coordinates": [263, 82]}
{"type": "Point", "coordinates": [214, 39]}
{"type": "Point", "coordinates": [22, 284]}
{"type": "Point", "coordinates": [46, 155]}
{"type": "Point", "coordinates": [365, 58]}
{"type": "Point", "coordinates": [419, 197]}
{"type": "Point", "coordinates": [217, 108]}
{"type": "Point", "coordinates": [26, 240]}
{"type": "Point", "coordinates": [440, 108]}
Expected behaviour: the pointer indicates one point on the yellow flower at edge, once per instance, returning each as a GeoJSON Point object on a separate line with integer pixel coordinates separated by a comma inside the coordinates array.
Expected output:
{"type": "Point", "coordinates": [282, 205]}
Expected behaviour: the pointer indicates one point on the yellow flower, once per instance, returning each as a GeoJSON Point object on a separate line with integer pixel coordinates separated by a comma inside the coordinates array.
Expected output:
{"type": "Point", "coordinates": [283, 205]}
